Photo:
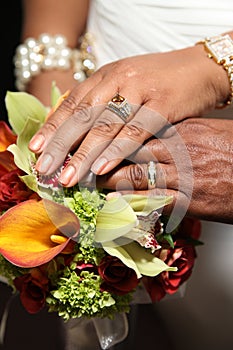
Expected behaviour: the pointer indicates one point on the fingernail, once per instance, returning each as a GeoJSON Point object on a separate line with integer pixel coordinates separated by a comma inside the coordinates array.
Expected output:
{"type": "Point", "coordinates": [67, 175]}
{"type": "Point", "coordinates": [36, 142]}
{"type": "Point", "coordinates": [44, 163]}
{"type": "Point", "coordinates": [99, 165]}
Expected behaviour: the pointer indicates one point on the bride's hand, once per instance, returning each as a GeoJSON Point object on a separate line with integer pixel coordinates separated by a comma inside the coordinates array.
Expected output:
{"type": "Point", "coordinates": [161, 88]}
{"type": "Point", "coordinates": [195, 170]}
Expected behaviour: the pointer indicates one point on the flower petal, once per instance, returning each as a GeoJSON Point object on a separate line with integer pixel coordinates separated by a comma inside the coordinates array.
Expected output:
{"type": "Point", "coordinates": [21, 106]}
{"type": "Point", "coordinates": [146, 262]}
{"type": "Point", "coordinates": [7, 161]}
{"type": "Point", "coordinates": [138, 259]}
{"type": "Point", "coordinates": [114, 220]}
{"type": "Point", "coordinates": [26, 230]}
{"type": "Point", "coordinates": [144, 205]}
{"type": "Point", "coordinates": [6, 136]}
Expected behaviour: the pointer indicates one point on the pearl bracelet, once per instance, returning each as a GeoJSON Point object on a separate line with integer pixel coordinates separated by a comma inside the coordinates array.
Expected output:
{"type": "Point", "coordinates": [51, 52]}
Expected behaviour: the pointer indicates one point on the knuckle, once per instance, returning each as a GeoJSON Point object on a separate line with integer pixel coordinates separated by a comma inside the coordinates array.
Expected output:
{"type": "Point", "coordinates": [81, 115]}
{"type": "Point", "coordinates": [133, 130]}
{"type": "Point", "coordinates": [84, 104]}
{"type": "Point", "coordinates": [68, 105]}
{"type": "Point", "coordinates": [106, 126]}
{"type": "Point", "coordinates": [59, 145]}
{"type": "Point", "coordinates": [137, 175]}
{"type": "Point", "coordinates": [51, 126]}
{"type": "Point", "coordinates": [116, 149]}
{"type": "Point", "coordinates": [81, 155]}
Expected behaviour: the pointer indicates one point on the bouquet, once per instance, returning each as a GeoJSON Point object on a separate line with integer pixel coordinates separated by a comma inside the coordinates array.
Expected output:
{"type": "Point", "coordinates": [80, 252]}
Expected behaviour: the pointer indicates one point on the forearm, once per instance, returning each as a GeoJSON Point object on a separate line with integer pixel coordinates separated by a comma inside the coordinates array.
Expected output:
{"type": "Point", "coordinates": [55, 17]}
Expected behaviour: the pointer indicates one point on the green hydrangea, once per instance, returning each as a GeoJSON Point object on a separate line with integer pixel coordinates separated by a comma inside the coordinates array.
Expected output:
{"type": "Point", "coordinates": [86, 205]}
{"type": "Point", "coordinates": [80, 296]}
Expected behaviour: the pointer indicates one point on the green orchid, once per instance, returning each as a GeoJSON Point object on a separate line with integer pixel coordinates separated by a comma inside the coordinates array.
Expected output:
{"type": "Point", "coordinates": [26, 115]}
{"type": "Point", "coordinates": [116, 225]}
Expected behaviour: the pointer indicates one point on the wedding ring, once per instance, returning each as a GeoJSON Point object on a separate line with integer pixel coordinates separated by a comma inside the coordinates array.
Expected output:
{"type": "Point", "coordinates": [151, 175]}
{"type": "Point", "coordinates": [120, 106]}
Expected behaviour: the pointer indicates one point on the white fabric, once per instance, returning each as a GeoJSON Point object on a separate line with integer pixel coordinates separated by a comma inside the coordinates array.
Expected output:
{"type": "Point", "coordinates": [129, 27]}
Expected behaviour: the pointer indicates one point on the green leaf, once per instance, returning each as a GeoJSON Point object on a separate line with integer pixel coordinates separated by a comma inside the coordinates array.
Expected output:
{"type": "Point", "coordinates": [20, 106]}
{"type": "Point", "coordinates": [169, 239]}
{"type": "Point", "coordinates": [55, 94]}
{"type": "Point", "coordinates": [143, 205]}
{"type": "Point", "coordinates": [114, 220]}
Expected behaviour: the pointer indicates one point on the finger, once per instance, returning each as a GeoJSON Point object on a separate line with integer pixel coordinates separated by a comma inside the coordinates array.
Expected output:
{"type": "Point", "coordinates": [144, 125]}
{"type": "Point", "coordinates": [64, 111]}
{"type": "Point", "coordinates": [99, 137]}
{"type": "Point", "coordinates": [135, 177]}
{"type": "Point", "coordinates": [73, 129]}
{"type": "Point", "coordinates": [65, 139]}
{"type": "Point", "coordinates": [157, 150]}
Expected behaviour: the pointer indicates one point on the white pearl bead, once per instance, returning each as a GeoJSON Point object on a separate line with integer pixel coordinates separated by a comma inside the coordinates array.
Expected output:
{"type": "Point", "coordinates": [64, 64]}
{"type": "Point", "coordinates": [45, 39]}
{"type": "Point", "coordinates": [79, 76]}
{"type": "Point", "coordinates": [48, 63]}
{"type": "Point", "coordinates": [60, 40]}
{"type": "Point", "coordinates": [25, 62]}
{"type": "Point", "coordinates": [34, 68]}
{"type": "Point", "coordinates": [26, 74]}
{"type": "Point", "coordinates": [31, 43]}
{"type": "Point", "coordinates": [51, 50]}
{"type": "Point", "coordinates": [22, 50]}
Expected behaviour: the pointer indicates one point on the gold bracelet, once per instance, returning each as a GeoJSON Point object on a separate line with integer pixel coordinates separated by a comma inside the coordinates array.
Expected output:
{"type": "Point", "coordinates": [220, 48]}
{"type": "Point", "coordinates": [51, 52]}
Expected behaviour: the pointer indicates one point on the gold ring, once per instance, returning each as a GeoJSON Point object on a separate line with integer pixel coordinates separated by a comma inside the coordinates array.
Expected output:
{"type": "Point", "coordinates": [120, 106]}
{"type": "Point", "coordinates": [151, 175]}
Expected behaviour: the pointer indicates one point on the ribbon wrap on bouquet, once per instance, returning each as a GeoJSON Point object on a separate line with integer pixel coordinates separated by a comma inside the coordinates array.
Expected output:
{"type": "Point", "coordinates": [96, 333]}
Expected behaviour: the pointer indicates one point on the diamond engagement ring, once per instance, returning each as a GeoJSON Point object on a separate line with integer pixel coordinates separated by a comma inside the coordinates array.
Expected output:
{"type": "Point", "coordinates": [120, 106]}
{"type": "Point", "coordinates": [151, 175]}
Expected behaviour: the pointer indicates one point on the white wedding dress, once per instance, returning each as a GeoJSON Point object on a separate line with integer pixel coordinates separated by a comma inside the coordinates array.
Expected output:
{"type": "Point", "coordinates": [202, 319]}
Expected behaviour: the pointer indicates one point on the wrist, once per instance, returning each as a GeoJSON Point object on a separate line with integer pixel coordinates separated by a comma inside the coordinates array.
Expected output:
{"type": "Point", "coordinates": [219, 50]}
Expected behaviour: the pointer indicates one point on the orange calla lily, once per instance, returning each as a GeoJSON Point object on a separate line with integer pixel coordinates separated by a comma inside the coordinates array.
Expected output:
{"type": "Point", "coordinates": [28, 229]}
{"type": "Point", "coordinates": [6, 136]}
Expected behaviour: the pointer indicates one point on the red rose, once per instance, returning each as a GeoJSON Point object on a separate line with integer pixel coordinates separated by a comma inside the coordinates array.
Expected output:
{"type": "Point", "coordinates": [33, 288]}
{"type": "Point", "coordinates": [182, 257]}
{"type": "Point", "coordinates": [118, 278]}
{"type": "Point", "coordinates": [190, 227]}
{"type": "Point", "coordinates": [12, 189]}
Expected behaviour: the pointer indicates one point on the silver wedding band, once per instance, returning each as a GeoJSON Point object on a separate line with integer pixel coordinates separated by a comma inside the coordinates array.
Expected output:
{"type": "Point", "coordinates": [151, 175]}
{"type": "Point", "coordinates": [120, 106]}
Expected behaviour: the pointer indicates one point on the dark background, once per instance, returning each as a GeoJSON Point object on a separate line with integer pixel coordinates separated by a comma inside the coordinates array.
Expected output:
{"type": "Point", "coordinates": [10, 28]}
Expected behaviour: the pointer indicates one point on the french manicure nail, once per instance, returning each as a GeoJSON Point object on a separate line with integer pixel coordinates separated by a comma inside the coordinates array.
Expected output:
{"type": "Point", "coordinates": [44, 163]}
{"type": "Point", "coordinates": [36, 142]}
{"type": "Point", "coordinates": [67, 175]}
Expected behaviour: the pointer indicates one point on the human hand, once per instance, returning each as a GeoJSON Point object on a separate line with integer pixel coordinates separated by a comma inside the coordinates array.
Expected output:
{"type": "Point", "coordinates": [161, 88]}
{"type": "Point", "coordinates": [201, 185]}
